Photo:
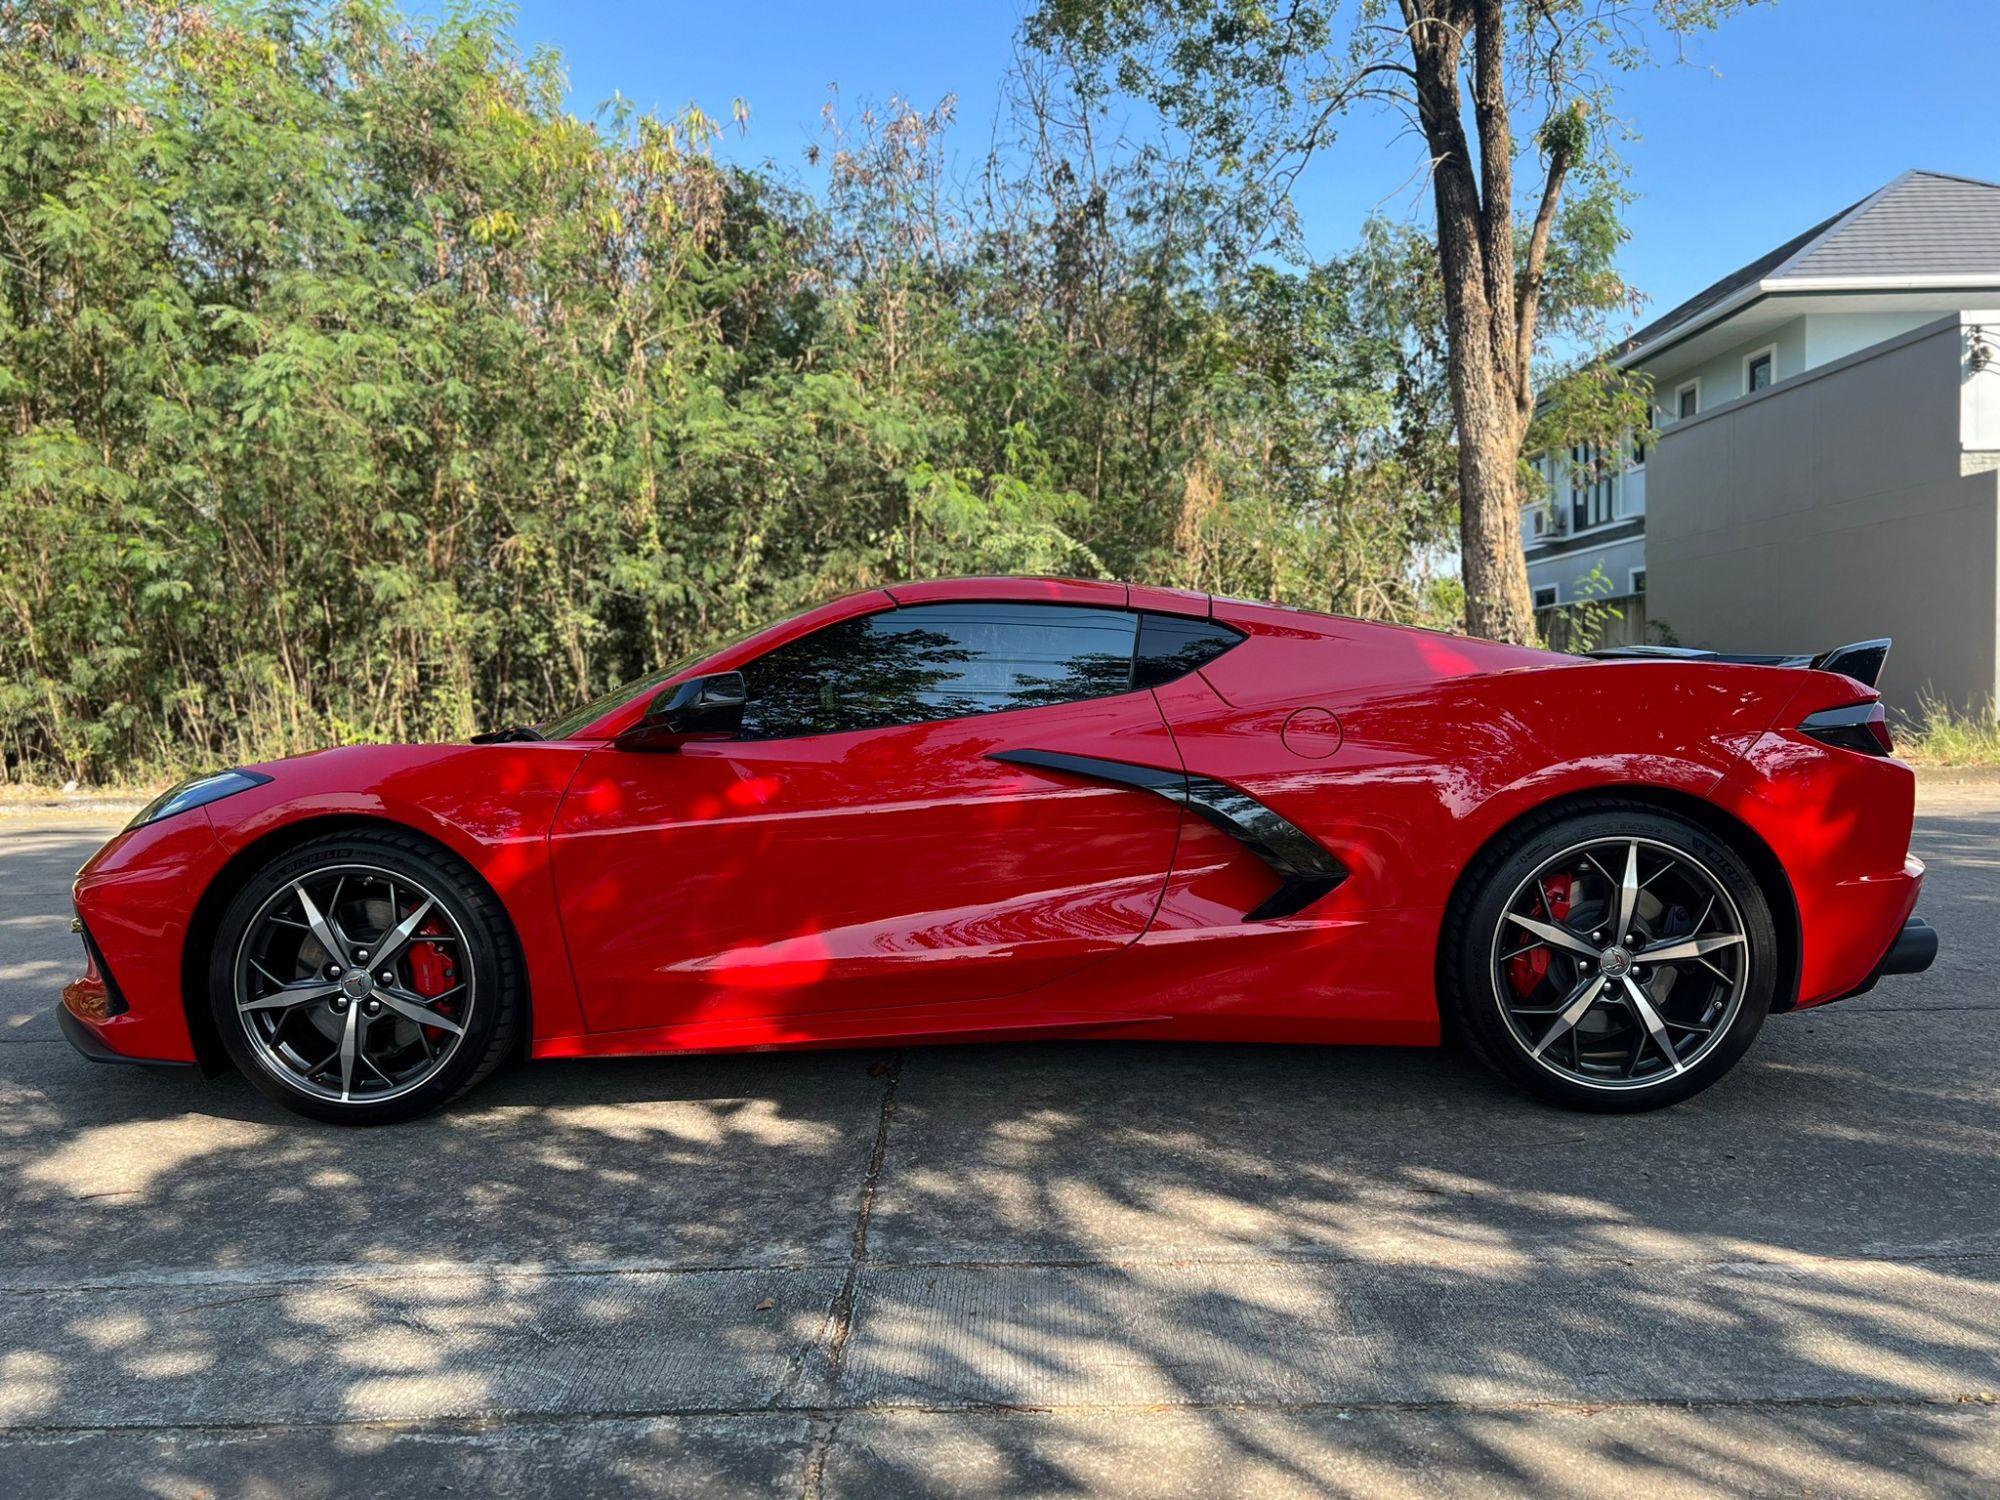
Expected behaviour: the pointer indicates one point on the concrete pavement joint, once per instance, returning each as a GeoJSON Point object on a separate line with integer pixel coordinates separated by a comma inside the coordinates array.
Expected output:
{"type": "Point", "coordinates": [348, 1277]}
{"type": "Point", "coordinates": [1898, 1010]}
{"type": "Point", "coordinates": [813, 1483]}
{"type": "Point", "coordinates": [832, 1415]}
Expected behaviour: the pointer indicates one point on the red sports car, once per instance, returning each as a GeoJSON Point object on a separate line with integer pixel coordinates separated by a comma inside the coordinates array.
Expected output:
{"type": "Point", "coordinates": [1010, 808]}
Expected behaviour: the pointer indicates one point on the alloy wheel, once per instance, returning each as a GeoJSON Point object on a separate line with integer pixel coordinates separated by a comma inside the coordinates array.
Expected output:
{"type": "Point", "coordinates": [1620, 963]}
{"type": "Point", "coordinates": [354, 984]}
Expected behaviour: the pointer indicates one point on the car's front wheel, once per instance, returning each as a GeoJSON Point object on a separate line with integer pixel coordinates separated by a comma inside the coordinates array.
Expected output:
{"type": "Point", "coordinates": [365, 977]}
{"type": "Point", "coordinates": [1616, 957]}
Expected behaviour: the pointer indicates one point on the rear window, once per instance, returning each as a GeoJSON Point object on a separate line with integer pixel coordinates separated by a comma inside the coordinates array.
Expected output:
{"type": "Point", "coordinates": [1172, 646]}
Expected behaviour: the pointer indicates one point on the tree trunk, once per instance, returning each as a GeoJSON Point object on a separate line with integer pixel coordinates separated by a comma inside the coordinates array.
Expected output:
{"type": "Point", "coordinates": [1498, 605]}
{"type": "Point", "coordinates": [1490, 380]}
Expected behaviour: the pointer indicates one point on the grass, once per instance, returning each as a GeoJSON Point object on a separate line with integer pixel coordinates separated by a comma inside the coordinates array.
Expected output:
{"type": "Point", "coordinates": [1941, 736]}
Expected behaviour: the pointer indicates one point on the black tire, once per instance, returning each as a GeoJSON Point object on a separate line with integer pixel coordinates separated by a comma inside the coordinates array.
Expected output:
{"type": "Point", "coordinates": [472, 927]}
{"type": "Point", "coordinates": [1477, 991]}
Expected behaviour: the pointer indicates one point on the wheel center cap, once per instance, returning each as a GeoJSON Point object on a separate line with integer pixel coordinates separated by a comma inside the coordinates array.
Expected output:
{"type": "Point", "coordinates": [356, 985]}
{"type": "Point", "coordinates": [1614, 963]}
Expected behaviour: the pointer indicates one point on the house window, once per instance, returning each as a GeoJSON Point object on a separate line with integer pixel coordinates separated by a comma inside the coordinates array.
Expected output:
{"type": "Point", "coordinates": [1687, 400]}
{"type": "Point", "coordinates": [1759, 370]}
{"type": "Point", "coordinates": [1638, 453]}
{"type": "Point", "coordinates": [1545, 597]}
{"type": "Point", "coordinates": [1638, 580]}
{"type": "Point", "coordinates": [1591, 487]}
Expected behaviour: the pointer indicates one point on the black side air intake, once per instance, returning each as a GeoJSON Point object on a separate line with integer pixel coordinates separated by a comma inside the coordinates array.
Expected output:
{"type": "Point", "coordinates": [1300, 861]}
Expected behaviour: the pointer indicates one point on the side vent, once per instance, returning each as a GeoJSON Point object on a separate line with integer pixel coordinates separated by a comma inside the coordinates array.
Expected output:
{"type": "Point", "coordinates": [1295, 856]}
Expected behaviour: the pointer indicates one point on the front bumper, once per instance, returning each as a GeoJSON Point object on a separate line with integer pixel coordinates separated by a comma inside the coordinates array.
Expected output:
{"type": "Point", "coordinates": [134, 899]}
{"type": "Point", "coordinates": [93, 1004]}
{"type": "Point", "coordinates": [83, 1036]}
{"type": "Point", "coordinates": [99, 1020]}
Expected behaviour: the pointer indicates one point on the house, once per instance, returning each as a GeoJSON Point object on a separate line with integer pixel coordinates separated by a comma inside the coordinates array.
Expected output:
{"type": "Point", "coordinates": [1825, 465]}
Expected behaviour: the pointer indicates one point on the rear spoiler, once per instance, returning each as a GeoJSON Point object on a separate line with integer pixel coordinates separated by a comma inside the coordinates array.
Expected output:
{"type": "Point", "coordinates": [1863, 661]}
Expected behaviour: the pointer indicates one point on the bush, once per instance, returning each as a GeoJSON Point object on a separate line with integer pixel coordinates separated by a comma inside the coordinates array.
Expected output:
{"type": "Point", "coordinates": [352, 388]}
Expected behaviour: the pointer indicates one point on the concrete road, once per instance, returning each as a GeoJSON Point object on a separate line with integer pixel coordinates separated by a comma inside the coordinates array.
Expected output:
{"type": "Point", "coordinates": [1059, 1269]}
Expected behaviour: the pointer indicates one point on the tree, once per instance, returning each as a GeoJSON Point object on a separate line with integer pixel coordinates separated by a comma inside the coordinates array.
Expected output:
{"type": "Point", "coordinates": [352, 387]}
{"type": "Point", "coordinates": [1265, 86]}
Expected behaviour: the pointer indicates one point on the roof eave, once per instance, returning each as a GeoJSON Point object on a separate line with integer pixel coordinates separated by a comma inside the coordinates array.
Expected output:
{"type": "Point", "coordinates": [1727, 307]}
{"type": "Point", "coordinates": [1756, 291]}
{"type": "Point", "coordinates": [1958, 281]}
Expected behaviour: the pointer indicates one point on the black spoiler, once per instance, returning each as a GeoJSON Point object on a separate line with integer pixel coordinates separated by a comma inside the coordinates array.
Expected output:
{"type": "Point", "coordinates": [1862, 661]}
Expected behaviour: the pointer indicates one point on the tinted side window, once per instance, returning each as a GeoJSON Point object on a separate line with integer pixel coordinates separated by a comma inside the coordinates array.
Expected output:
{"type": "Point", "coordinates": [937, 661]}
{"type": "Point", "coordinates": [1172, 646]}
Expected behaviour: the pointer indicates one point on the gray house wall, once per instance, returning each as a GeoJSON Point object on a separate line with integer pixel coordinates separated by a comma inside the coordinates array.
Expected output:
{"type": "Point", "coordinates": [1835, 506]}
{"type": "Point", "coordinates": [1568, 570]}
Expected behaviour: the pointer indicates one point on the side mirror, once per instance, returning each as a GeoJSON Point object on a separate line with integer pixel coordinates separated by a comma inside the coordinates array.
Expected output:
{"type": "Point", "coordinates": [700, 708]}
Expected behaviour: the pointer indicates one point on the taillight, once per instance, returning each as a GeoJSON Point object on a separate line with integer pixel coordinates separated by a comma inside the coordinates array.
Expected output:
{"type": "Point", "coordinates": [1859, 726]}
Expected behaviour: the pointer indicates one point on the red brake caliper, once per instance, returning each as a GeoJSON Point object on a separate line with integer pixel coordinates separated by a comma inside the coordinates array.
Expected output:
{"type": "Point", "coordinates": [1526, 970]}
{"type": "Point", "coordinates": [433, 971]}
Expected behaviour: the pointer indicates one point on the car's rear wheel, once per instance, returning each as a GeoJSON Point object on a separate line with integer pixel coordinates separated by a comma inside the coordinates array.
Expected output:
{"type": "Point", "coordinates": [1615, 957]}
{"type": "Point", "coordinates": [365, 978]}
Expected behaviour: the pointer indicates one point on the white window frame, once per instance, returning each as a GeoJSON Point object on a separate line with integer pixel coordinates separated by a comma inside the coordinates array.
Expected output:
{"type": "Point", "coordinates": [1751, 358]}
{"type": "Point", "coordinates": [1540, 517]}
{"type": "Point", "coordinates": [1682, 389]}
{"type": "Point", "coordinates": [1553, 590]}
{"type": "Point", "coordinates": [1605, 485]}
{"type": "Point", "coordinates": [1632, 577]}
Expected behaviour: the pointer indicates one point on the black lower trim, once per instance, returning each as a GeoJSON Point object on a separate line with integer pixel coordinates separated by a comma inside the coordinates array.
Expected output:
{"type": "Point", "coordinates": [1299, 860]}
{"type": "Point", "coordinates": [86, 1041]}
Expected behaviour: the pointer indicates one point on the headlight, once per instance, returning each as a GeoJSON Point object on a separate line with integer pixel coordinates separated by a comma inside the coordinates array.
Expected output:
{"type": "Point", "coordinates": [199, 792]}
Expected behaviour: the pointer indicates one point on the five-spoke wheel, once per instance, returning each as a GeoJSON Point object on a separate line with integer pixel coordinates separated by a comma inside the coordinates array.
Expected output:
{"type": "Point", "coordinates": [1615, 958]}
{"type": "Point", "coordinates": [364, 978]}
{"type": "Point", "coordinates": [1630, 962]}
{"type": "Point", "coordinates": [354, 983]}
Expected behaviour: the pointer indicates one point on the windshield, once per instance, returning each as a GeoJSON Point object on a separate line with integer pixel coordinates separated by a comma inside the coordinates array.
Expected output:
{"type": "Point", "coordinates": [581, 718]}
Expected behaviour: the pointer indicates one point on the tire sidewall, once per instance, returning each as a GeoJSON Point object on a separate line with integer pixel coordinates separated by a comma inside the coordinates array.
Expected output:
{"type": "Point", "coordinates": [1476, 1009]}
{"type": "Point", "coordinates": [469, 907]}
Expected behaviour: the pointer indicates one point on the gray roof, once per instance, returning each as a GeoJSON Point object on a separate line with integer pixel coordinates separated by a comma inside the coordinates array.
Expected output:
{"type": "Point", "coordinates": [1923, 225]}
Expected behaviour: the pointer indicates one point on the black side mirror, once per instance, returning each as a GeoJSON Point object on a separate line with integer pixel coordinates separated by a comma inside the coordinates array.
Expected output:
{"type": "Point", "coordinates": [700, 708]}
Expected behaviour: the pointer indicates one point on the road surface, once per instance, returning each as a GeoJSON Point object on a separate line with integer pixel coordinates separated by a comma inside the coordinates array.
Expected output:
{"type": "Point", "coordinates": [1112, 1269]}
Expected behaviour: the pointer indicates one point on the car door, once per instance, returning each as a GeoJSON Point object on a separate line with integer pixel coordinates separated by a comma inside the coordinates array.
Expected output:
{"type": "Point", "coordinates": [859, 847]}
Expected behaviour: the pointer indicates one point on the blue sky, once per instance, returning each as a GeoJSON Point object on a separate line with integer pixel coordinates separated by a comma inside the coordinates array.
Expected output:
{"type": "Point", "coordinates": [1797, 110]}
